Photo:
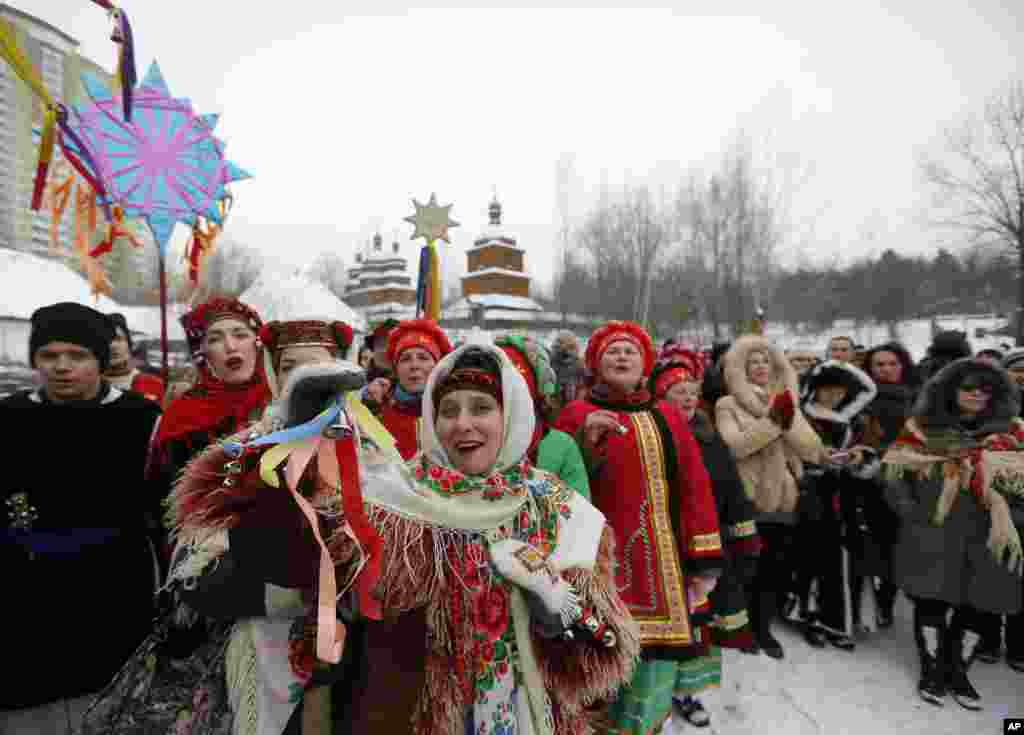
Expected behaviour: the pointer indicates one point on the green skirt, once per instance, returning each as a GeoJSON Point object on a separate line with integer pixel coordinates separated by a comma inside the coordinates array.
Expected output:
{"type": "Point", "coordinates": [642, 707]}
{"type": "Point", "coordinates": [699, 674]}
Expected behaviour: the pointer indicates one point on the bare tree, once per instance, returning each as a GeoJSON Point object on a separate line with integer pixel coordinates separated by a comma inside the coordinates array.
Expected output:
{"type": "Point", "coordinates": [622, 241]}
{"type": "Point", "coordinates": [979, 180]}
{"type": "Point", "coordinates": [564, 172]}
{"type": "Point", "coordinates": [328, 268]}
{"type": "Point", "coordinates": [230, 270]}
{"type": "Point", "coordinates": [729, 226]}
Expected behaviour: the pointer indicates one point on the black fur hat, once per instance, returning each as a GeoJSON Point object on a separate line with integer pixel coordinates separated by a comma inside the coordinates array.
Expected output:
{"type": "Point", "coordinates": [936, 406]}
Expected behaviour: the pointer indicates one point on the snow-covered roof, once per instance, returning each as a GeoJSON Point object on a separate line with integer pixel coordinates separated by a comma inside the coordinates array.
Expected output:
{"type": "Point", "coordinates": [385, 287]}
{"type": "Point", "coordinates": [494, 233]}
{"type": "Point", "coordinates": [492, 242]}
{"type": "Point", "coordinates": [28, 282]}
{"type": "Point", "coordinates": [283, 297]}
{"type": "Point", "coordinates": [495, 271]}
{"type": "Point", "coordinates": [495, 301]}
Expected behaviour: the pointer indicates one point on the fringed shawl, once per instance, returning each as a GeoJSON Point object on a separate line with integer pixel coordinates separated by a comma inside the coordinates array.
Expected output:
{"type": "Point", "coordinates": [990, 470]}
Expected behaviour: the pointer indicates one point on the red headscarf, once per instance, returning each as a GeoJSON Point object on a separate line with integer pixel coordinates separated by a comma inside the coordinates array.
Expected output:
{"type": "Point", "coordinates": [618, 331]}
{"type": "Point", "coordinates": [422, 333]}
{"type": "Point", "coordinates": [211, 401]}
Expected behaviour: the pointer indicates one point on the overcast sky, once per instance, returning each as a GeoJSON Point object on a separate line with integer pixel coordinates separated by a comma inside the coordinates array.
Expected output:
{"type": "Point", "coordinates": [343, 111]}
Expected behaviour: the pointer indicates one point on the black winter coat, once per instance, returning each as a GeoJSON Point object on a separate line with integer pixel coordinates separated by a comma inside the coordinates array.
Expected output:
{"type": "Point", "coordinates": [82, 572]}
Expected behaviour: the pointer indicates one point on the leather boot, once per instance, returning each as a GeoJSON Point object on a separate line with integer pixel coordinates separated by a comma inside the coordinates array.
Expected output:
{"type": "Point", "coordinates": [930, 644]}
{"type": "Point", "coordinates": [962, 648]}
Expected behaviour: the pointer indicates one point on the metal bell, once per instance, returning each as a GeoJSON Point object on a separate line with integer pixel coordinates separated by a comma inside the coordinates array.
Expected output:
{"type": "Point", "coordinates": [338, 430]}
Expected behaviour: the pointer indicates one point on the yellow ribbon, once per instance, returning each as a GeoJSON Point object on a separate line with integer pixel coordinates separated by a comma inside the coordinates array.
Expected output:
{"type": "Point", "coordinates": [49, 136]}
{"type": "Point", "coordinates": [370, 426]}
{"type": "Point", "coordinates": [435, 283]}
{"type": "Point", "coordinates": [272, 459]}
{"type": "Point", "coordinates": [13, 55]}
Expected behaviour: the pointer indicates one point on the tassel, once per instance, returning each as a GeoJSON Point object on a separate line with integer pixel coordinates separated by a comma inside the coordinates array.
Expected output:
{"type": "Point", "coordinates": [45, 157]}
{"type": "Point", "coordinates": [125, 61]}
{"type": "Point", "coordinates": [13, 55]}
{"type": "Point", "coordinates": [59, 196]}
{"type": "Point", "coordinates": [423, 282]}
{"type": "Point", "coordinates": [85, 165]}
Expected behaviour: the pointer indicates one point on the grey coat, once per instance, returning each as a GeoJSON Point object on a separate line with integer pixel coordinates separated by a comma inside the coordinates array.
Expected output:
{"type": "Point", "coordinates": [951, 562]}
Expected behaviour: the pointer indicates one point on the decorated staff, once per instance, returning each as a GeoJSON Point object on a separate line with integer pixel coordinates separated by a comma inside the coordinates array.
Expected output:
{"type": "Point", "coordinates": [122, 35]}
{"type": "Point", "coordinates": [431, 222]}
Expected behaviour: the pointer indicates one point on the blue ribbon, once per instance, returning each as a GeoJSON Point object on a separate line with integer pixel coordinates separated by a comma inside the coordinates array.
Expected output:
{"type": "Point", "coordinates": [313, 427]}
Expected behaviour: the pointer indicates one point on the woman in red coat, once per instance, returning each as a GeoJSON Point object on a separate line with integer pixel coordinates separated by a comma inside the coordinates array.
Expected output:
{"type": "Point", "coordinates": [647, 477]}
{"type": "Point", "coordinates": [414, 347]}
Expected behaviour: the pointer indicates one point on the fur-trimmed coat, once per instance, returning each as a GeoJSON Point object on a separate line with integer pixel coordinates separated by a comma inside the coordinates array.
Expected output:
{"type": "Point", "coordinates": [951, 561]}
{"type": "Point", "coordinates": [843, 427]}
{"type": "Point", "coordinates": [769, 459]}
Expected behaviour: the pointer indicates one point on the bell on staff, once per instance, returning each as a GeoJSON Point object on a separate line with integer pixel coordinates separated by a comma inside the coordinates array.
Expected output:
{"type": "Point", "coordinates": [338, 429]}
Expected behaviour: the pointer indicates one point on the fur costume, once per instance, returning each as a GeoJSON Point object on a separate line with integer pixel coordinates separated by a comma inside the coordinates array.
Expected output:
{"type": "Point", "coordinates": [770, 460]}
{"type": "Point", "coordinates": [489, 648]}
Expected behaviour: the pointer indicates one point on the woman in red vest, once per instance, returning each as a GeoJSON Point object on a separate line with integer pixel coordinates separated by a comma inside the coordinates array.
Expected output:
{"type": "Point", "coordinates": [647, 477]}
{"type": "Point", "coordinates": [414, 348]}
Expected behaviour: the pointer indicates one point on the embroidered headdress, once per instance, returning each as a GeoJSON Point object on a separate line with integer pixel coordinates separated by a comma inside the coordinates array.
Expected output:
{"type": "Point", "coordinates": [476, 370]}
{"type": "Point", "coordinates": [198, 321]}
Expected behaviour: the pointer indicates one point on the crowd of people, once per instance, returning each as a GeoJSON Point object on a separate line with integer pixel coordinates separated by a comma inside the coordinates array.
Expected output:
{"type": "Point", "coordinates": [492, 537]}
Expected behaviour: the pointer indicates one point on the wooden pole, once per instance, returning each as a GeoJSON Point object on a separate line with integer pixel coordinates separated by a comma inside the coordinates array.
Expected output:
{"type": "Point", "coordinates": [163, 320]}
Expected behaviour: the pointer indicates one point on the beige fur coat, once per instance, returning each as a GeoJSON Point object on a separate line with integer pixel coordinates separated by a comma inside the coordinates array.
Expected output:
{"type": "Point", "coordinates": [770, 461]}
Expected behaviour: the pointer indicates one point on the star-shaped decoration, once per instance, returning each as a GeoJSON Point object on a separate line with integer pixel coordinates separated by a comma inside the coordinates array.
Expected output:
{"type": "Point", "coordinates": [431, 220]}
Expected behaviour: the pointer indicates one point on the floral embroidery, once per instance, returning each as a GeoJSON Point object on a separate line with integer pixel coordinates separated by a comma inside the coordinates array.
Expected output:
{"type": "Point", "coordinates": [301, 652]}
{"type": "Point", "coordinates": [490, 611]}
{"type": "Point", "coordinates": [447, 481]}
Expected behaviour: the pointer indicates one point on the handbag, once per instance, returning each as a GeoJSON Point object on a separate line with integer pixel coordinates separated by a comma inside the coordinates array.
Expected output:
{"type": "Point", "coordinates": [157, 693]}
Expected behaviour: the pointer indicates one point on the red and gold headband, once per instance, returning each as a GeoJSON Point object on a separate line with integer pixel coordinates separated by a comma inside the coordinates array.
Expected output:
{"type": "Point", "coordinates": [483, 381]}
{"type": "Point", "coordinates": [670, 377]}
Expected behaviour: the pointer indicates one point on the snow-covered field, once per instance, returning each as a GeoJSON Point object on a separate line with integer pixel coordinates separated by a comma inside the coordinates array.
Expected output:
{"type": "Point", "coordinates": [869, 691]}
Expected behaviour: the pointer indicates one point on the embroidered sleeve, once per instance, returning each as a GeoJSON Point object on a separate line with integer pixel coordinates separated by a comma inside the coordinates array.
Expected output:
{"type": "Point", "coordinates": [579, 673]}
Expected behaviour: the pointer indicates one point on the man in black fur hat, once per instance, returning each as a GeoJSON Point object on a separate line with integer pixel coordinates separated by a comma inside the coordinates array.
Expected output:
{"type": "Point", "coordinates": [75, 542]}
{"type": "Point", "coordinates": [945, 348]}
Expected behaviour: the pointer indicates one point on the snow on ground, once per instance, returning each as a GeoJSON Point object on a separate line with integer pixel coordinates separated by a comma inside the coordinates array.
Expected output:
{"type": "Point", "coordinates": [872, 690]}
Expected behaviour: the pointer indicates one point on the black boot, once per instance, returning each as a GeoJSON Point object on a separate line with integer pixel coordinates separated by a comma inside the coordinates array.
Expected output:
{"type": "Point", "coordinates": [885, 597]}
{"type": "Point", "coordinates": [962, 648]}
{"type": "Point", "coordinates": [932, 685]}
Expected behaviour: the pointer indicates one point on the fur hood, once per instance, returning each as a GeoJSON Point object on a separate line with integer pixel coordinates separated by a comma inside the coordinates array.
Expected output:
{"type": "Point", "coordinates": [860, 391]}
{"type": "Point", "coordinates": [734, 372]}
{"type": "Point", "coordinates": [935, 408]}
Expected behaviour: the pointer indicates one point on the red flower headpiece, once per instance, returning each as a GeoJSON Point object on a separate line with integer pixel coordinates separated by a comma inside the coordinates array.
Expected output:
{"type": "Point", "coordinates": [669, 377]}
{"type": "Point", "coordinates": [276, 336]}
{"type": "Point", "coordinates": [468, 379]}
{"type": "Point", "coordinates": [617, 331]}
{"type": "Point", "coordinates": [423, 333]}
{"type": "Point", "coordinates": [198, 321]}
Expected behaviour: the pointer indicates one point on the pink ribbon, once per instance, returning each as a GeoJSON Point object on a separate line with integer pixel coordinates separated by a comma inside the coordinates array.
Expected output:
{"type": "Point", "coordinates": [330, 634]}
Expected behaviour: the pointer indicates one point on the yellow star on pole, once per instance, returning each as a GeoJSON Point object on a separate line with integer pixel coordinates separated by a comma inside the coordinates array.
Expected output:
{"type": "Point", "coordinates": [431, 220]}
